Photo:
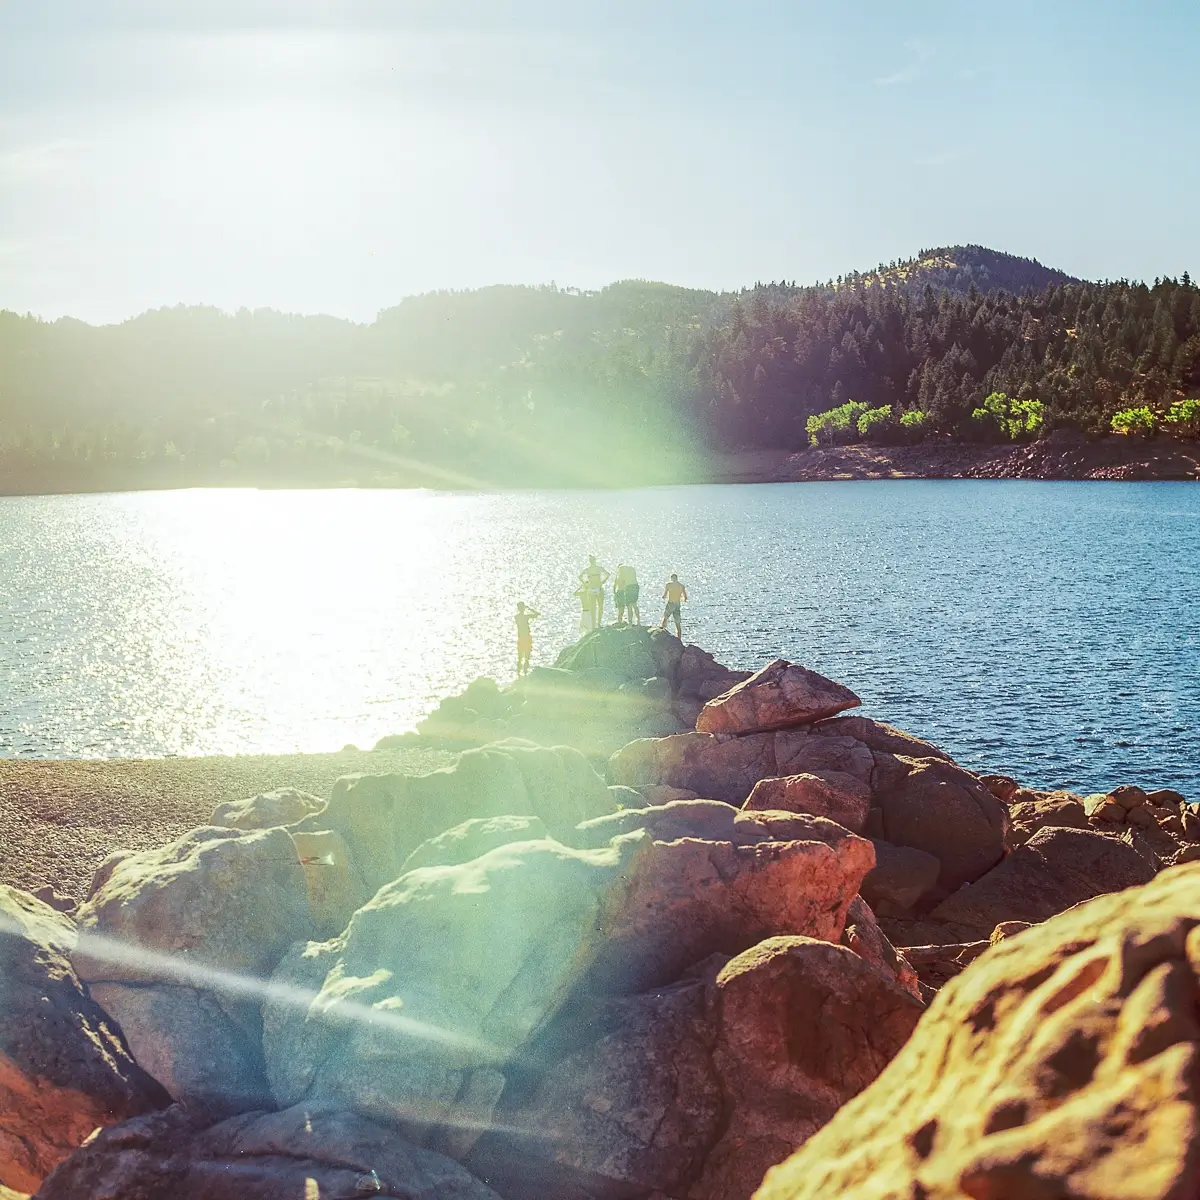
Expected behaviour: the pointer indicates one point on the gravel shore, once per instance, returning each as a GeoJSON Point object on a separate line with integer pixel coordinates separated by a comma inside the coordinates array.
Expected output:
{"type": "Point", "coordinates": [59, 819]}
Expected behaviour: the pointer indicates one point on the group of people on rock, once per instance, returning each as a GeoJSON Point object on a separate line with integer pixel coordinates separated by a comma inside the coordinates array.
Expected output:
{"type": "Point", "coordinates": [590, 594]}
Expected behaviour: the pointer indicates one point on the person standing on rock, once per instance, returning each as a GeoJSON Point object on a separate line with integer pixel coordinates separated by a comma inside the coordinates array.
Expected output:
{"type": "Point", "coordinates": [594, 577]}
{"type": "Point", "coordinates": [674, 594]}
{"type": "Point", "coordinates": [625, 595]}
{"type": "Point", "coordinates": [524, 636]}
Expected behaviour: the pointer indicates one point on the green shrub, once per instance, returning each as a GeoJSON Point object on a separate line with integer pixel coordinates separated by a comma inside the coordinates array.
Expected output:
{"type": "Point", "coordinates": [837, 426]}
{"type": "Point", "coordinates": [1003, 418]}
{"type": "Point", "coordinates": [914, 425]}
{"type": "Point", "coordinates": [876, 423]}
{"type": "Point", "coordinates": [1184, 417]}
{"type": "Point", "coordinates": [1138, 422]}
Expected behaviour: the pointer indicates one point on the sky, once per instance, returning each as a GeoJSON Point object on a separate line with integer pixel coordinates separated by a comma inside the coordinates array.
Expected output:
{"type": "Point", "coordinates": [325, 156]}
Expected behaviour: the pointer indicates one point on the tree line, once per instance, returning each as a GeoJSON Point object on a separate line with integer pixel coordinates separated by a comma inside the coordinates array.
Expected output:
{"type": "Point", "coordinates": [627, 384]}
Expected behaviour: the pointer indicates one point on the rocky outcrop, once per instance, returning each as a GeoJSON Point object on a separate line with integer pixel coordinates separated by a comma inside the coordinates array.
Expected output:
{"type": "Point", "coordinates": [64, 1069]}
{"type": "Point", "coordinates": [615, 684]}
{"type": "Point", "coordinates": [779, 696]}
{"type": "Point", "coordinates": [1055, 869]}
{"type": "Point", "coordinates": [901, 877]}
{"type": "Point", "coordinates": [291, 1155]}
{"type": "Point", "coordinates": [1062, 1062]}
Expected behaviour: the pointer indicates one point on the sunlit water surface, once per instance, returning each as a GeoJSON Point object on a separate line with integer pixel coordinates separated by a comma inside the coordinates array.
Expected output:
{"type": "Point", "coordinates": [1048, 630]}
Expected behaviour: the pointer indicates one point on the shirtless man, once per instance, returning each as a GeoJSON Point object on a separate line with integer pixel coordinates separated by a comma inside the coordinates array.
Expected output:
{"type": "Point", "coordinates": [524, 636]}
{"type": "Point", "coordinates": [594, 577]}
{"type": "Point", "coordinates": [674, 593]}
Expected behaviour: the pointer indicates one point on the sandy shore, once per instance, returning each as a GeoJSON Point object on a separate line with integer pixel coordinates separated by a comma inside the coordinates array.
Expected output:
{"type": "Point", "coordinates": [59, 819]}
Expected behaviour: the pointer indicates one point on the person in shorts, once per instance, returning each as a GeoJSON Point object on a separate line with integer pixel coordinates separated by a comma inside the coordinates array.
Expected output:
{"type": "Point", "coordinates": [625, 595]}
{"type": "Point", "coordinates": [674, 594]}
{"type": "Point", "coordinates": [524, 636]}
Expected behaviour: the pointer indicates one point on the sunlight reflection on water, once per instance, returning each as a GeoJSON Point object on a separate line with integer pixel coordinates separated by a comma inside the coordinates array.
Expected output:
{"type": "Point", "coordinates": [1044, 629]}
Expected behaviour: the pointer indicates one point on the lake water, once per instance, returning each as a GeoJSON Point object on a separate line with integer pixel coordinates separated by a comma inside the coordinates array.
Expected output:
{"type": "Point", "coordinates": [1044, 629]}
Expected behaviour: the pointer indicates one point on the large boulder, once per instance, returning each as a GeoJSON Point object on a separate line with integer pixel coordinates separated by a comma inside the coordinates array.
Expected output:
{"type": "Point", "coordinates": [1062, 1062]}
{"type": "Point", "coordinates": [626, 1100]}
{"type": "Point", "coordinates": [179, 945]}
{"type": "Point", "coordinates": [899, 879]}
{"type": "Point", "coordinates": [780, 695]}
{"type": "Point", "coordinates": [941, 808]}
{"type": "Point", "coordinates": [438, 981]}
{"type": "Point", "coordinates": [64, 1069]}
{"type": "Point", "coordinates": [879, 736]}
{"type": "Point", "coordinates": [841, 798]}
{"type": "Point", "coordinates": [384, 818]}
{"type": "Point", "coordinates": [284, 806]}
{"type": "Point", "coordinates": [1055, 869]}
{"type": "Point", "coordinates": [802, 1026]}
{"type": "Point", "coordinates": [292, 1155]}
{"type": "Point", "coordinates": [723, 767]}
{"type": "Point", "coordinates": [1053, 809]}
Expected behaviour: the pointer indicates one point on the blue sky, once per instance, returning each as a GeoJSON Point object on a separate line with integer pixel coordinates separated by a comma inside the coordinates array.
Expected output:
{"type": "Point", "coordinates": [334, 157]}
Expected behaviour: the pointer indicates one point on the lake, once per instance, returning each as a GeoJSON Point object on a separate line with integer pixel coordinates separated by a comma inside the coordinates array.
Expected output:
{"type": "Point", "coordinates": [1042, 629]}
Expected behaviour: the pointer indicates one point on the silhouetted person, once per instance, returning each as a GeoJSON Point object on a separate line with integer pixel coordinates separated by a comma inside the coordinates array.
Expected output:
{"type": "Point", "coordinates": [625, 595]}
{"type": "Point", "coordinates": [674, 594]}
{"type": "Point", "coordinates": [594, 577]}
{"type": "Point", "coordinates": [524, 636]}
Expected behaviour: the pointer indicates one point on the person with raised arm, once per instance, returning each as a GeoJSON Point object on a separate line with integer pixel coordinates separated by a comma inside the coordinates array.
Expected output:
{"type": "Point", "coordinates": [594, 577]}
{"type": "Point", "coordinates": [524, 636]}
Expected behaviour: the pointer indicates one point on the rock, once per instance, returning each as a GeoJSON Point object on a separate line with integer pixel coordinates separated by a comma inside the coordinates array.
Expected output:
{"type": "Point", "coordinates": [722, 767]}
{"type": "Point", "coordinates": [282, 807]}
{"type": "Point", "coordinates": [213, 900]}
{"type": "Point", "coordinates": [205, 1053]}
{"type": "Point", "coordinates": [440, 979]}
{"type": "Point", "coordinates": [1001, 786]}
{"type": "Point", "coordinates": [1059, 1063]}
{"type": "Point", "coordinates": [192, 932]}
{"type": "Point", "coordinates": [1166, 797]}
{"type": "Point", "coordinates": [384, 818]}
{"type": "Point", "coordinates": [781, 695]}
{"type": "Point", "coordinates": [940, 808]}
{"type": "Point", "coordinates": [1054, 870]}
{"type": "Point", "coordinates": [625, 797]}
{"type": "Point", "coordinates": [1007, 929]}
{"type": "Point", "coordinates": [900, 877]}
{"type": "Point", "coordinates": [1056, 809]}
{"type": "Point", "coordinates": [863, 936]}
{"type": "Point", "coordinates": [634, 1103]}
{"type": "Point", "coordinates": [662, 794]}
{"type": "Point", "coordinates": [1191, 826]}
{"type": "Point", "coordinates": [1129, 796]}
{"type": "Point", "coordinates": [626, 652]}
{"type": "Point", "coordinates": [471, 839]}
{"type": "Point", "coordinates": [878, 735]}
{"type": "Point", "coordinates": [103, 872]}
{"type": "Point", "coordinates": [1099, 808]}
{"type": "Point", "coordinates": [690, 898]}
{"type": "Point", "coordinates": [51, 897]}
{"type": "Point", "coordinates": [286, 1155]}
{"type": "Point", "coordinates": [1141, 816]}
{"type": "Point", "coordinates": [839, 797]}
{"type": "Point", "coordinates": [785, 1070]}
{"type": "Point", "coordinates": [64, 1069]}
{"type": "Point", "coordinates": [334, 886]}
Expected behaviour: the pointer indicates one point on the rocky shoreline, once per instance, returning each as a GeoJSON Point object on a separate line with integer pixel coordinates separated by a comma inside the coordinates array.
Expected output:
{"type": "Point", "coordinates": [659, 931]}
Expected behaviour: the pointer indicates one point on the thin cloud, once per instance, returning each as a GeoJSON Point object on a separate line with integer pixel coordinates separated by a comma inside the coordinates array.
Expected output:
{"type": "Point", "coordinates": [920, 53]}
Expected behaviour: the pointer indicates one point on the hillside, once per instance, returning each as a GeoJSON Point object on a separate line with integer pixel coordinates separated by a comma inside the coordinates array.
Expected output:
{"type": "Point", "coordinates": [961, 268]}
{"type": "Point", "coordinates": [636, 382]}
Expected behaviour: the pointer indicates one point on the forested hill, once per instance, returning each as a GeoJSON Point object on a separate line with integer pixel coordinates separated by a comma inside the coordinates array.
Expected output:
{"type": "Point", "coordinates": [550, 385]}
{"type": "Point", "coordinates": [961, 268]}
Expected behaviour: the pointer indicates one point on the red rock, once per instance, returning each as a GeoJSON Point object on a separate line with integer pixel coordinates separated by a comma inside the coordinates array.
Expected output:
{"type": "Point", "coordinates": [841, 798]}
{"type": "Point", "coordinates": [779, 696]}
{"type": "Point", "coordinates": [1061, 1063]}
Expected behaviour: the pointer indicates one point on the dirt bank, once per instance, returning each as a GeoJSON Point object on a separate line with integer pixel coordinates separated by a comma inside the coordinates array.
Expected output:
{"type": "Point", "coordinates": [59, 819]}
{"type": "Point", "coordinates": [1114, 458]}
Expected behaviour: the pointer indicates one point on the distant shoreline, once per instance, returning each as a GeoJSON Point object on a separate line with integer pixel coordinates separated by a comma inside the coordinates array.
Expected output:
{"type": "Point", "coordinates": [1113, 459]}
